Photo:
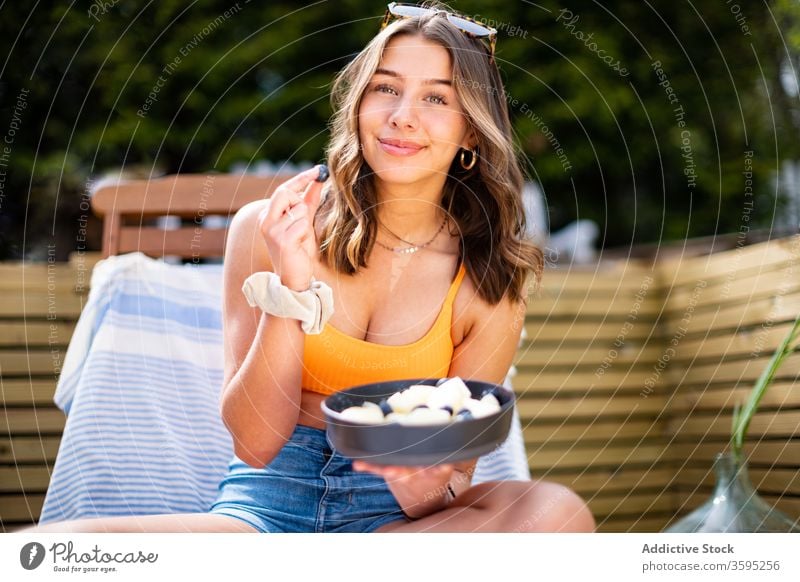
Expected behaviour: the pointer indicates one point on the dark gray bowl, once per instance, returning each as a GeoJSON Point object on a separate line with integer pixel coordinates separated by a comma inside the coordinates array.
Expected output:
{"type": "Point", "coordinates": [395, 444]}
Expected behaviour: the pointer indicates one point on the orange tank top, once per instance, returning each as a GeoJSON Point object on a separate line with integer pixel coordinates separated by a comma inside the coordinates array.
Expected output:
{"type": "Point", "coordinates": [333, 360]}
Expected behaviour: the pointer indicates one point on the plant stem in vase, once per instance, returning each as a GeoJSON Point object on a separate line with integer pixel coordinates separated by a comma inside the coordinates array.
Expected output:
{"type": "Point", "coordinates": [735, 506]}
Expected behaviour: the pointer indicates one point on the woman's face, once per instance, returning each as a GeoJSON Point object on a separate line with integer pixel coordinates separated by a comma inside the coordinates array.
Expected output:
{"type": "Point", "coordinates": [410, 122]}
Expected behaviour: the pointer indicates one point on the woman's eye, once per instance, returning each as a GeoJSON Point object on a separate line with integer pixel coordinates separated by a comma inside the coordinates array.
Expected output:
{"type": "Point", "coordinates": [434, 98]}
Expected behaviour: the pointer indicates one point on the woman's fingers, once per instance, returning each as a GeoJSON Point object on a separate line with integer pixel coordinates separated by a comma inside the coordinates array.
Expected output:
{"type": "Point", "coordinates": [295, 233]}
{"type": "Point", "coordinates": [382, 470]}
{"type": "Point", "coordinates": [299, 182]}
{"type": "Point", "coordinates": [280, 202]}
{"type": "Point", "coordinates": [359, 464]}
{"type": "Point", "coordinates": [291, 192]}
{"type": "Point", "coordinates": [287, 208]}
{"type": "Point", "coordinates": [289, 218]}
{"type": "Point", "coordinates": [364, 466]}
{"type": "Point", "coordinates": [297, 212]}
{"type": "Point", "coordinates": [313, 196]}
{"type": "Point", "coordinates": [400, 471]}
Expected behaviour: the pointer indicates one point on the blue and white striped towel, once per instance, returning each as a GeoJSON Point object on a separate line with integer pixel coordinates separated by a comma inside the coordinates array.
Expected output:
{"type": "Point", "coordinates": [141, 383]}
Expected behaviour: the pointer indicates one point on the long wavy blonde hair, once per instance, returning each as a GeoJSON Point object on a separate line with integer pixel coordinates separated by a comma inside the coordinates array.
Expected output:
{"type": "Point", "coordinates": [484, 202]}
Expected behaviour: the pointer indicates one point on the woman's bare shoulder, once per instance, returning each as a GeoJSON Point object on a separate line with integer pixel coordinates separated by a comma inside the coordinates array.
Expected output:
{"type": "Point", "coordinates": [247, 216]}
{"type": "Point", "coordinates": [490, 337]}
{"type": "Point", "coordinates": [470, 308]}
{"type": "Point", "coordinates": [245, 248]}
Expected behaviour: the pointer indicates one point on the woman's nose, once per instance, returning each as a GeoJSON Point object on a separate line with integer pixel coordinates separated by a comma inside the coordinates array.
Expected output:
{"type": "Point", "coordinates": [403, 115]}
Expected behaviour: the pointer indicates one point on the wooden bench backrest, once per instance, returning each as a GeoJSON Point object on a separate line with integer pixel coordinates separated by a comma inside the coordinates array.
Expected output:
{"type": "Point", "coordinates": [127, 206]}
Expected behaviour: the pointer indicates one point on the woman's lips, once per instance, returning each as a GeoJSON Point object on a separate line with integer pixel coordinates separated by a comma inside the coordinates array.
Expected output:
{"type": "Point", "coordinates": [396, 150]}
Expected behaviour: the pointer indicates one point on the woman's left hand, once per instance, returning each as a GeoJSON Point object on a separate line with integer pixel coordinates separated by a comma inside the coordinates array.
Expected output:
{"type": "Point", "coordinates": [433, 475]}
{"type": "Point", "coordinates": [415, 488]}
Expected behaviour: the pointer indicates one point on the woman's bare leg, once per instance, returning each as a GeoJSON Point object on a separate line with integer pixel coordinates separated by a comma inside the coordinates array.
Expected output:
{"type": "Point", "coordinates": [495, 506]}
{"type": "Point", "coordinates": [177, 523]}
{"type": "Point", "coordinates": [507, 506]}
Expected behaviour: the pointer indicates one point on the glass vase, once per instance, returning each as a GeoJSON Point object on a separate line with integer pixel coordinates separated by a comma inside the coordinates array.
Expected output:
{"type": "Point", "coordinates": [734, 506]}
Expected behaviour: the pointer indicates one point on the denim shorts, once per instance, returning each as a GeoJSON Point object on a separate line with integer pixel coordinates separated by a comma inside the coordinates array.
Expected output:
{"type": "Point", "coordinates": [307, 487]}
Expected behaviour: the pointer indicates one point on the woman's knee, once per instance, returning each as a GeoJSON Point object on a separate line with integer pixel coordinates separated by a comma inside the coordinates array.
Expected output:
{"type": "Point", "coordinates": [552, 507]}
{"type": "Point", "coordinates": [534, 506]}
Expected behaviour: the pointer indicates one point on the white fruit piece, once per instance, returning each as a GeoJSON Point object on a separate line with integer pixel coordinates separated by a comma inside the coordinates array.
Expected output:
{"type": "Point", "coordinates": [421, 416]}
{"type": "Point", "coordinates": [363, 415]}
{"type": "Point", "coordinates": [394, 417]}
{"type": "Point", "coordinates": [479, 408]}
{"type": "Point", "coordinates": [451, 393]}
{"type": "Point", "coordinates": [492, 401]}
{"type": "Point", "coordinates": [417, 394]}
{"type": "Point", "coordinates": [399, 402]}
{"type": "Point", "coordinates": [408, 399]}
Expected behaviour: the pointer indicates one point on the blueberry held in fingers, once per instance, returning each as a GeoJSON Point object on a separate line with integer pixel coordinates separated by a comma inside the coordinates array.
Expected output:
{"type": "Point", "coordinates": [323, 173]}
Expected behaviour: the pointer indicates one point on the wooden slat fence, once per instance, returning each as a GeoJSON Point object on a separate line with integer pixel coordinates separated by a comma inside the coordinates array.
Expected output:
{"type": "Point", "coordinates": [39, 306]}
{"type": "Point", "coordinates": [593, 338]}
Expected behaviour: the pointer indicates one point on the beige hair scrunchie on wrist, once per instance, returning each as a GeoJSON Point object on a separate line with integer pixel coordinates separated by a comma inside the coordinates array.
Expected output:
{"type": "Point", "coordinates": [312, 307]}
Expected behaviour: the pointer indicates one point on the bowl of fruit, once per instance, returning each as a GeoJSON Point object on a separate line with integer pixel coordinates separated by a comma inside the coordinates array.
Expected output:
{"type": "Point", "coordinates": [419, 422]}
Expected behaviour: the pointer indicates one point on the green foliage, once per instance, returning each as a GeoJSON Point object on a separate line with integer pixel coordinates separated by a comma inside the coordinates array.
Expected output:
{"type": "Point", "coordinates": [254, 85]}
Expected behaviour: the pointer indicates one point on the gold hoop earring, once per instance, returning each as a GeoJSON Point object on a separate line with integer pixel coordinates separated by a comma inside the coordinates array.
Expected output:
{"type": "Point", "coordinates": [473, 159]}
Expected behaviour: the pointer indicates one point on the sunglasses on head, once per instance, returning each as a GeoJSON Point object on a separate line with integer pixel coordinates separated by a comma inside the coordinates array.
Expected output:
{"type": "Point", "coordinates": [472, 28]}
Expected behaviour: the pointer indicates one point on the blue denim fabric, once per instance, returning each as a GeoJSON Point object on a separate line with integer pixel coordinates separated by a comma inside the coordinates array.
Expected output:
{"type": "Point", "coordinates": [308, 487]}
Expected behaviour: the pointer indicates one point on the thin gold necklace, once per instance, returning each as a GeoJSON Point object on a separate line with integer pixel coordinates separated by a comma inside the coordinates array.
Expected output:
{"type": "Point", "coordinates": [414, 247]}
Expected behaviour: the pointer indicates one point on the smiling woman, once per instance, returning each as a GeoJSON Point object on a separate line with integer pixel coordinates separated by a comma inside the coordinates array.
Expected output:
{"type": "Point", "coordinates": [415, 160]}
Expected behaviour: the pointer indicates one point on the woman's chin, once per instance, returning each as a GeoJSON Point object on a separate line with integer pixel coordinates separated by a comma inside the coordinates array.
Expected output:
{"type": "Point", "coordinates": [400, 175]}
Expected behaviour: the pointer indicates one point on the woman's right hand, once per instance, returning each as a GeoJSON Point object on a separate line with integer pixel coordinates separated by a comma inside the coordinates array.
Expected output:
{"type": "Point", "coordinates": [287, 226]}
